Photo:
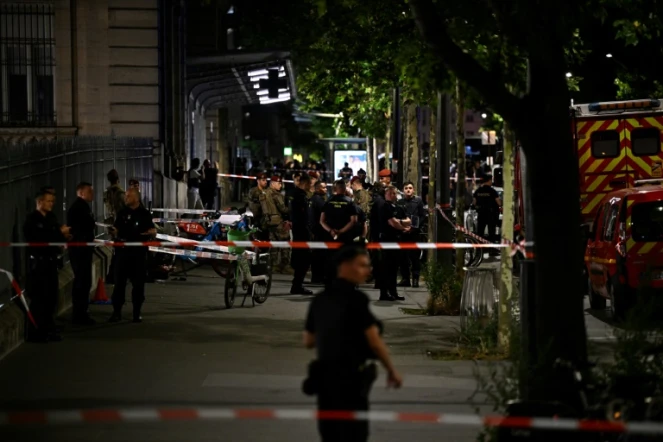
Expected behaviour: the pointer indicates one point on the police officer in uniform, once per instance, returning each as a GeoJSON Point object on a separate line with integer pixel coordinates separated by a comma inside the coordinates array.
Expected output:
{"type": "Point", "coordinates": [394, 223]}
{"type": "Point", "coordinates": [317, 255]}
{"type": "Point", "coordinates": [414, 209]}
{"type": "Point", "coordinates": [487, 202]}
{"type": "Point", "coordinates": [275, 213]}
{"type": "Point", "coordinates": [339, 215]}
{"type": "Point", "coordinates": [374, 230]}
{"type": "Point", "coordinates": [300, 212]}
{"type": "Point", "coordinates": [133, 224]}
{"type": "Point", "coordinates": [42, 285]}
{"type": "Point", "coordinates": [81, 220]}
{"type": "Point", "coordinates": [346, 335]}
{"type": "Point", "coordinates": [256, 195]}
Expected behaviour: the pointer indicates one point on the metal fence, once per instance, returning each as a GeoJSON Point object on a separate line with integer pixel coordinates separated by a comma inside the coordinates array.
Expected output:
{"type": "Point", "coordinates": [62, 163]}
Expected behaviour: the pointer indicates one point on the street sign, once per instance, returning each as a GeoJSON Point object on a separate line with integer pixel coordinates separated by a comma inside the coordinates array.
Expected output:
{"type": "Point", "coordinates": [273, 83]}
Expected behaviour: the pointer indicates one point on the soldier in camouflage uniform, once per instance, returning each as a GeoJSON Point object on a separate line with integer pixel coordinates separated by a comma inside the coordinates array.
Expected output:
{"type": "Point", "coordinates": [277, 218]}
{"type": "Point", "coordinates": [315, 176]}
{"type": "Point", "coordinates": [255, 200]}
{"type": "Point", "coordinates": [362, 199]}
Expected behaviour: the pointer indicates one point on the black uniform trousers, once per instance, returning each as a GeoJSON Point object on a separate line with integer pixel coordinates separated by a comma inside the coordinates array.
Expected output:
{"type": "Point", "coordinates": [376, 258]}
{"type": "Point", "coordinates": [318, 260]}
{"type": "Point", "coordinates": [300, 260]}
{"type": "Point", "coordinates": [43, 289]}
{"type": "Point", "coordinates": [130, 265]}
{"type": "Point", "coordinates": [342, 391]}
{"type": "Point", "coordinates": [410, 258]}
{"type": "Point", "coordinates": [389, 270]}
{"type": "Point", "coordinates": [81, 264]}
{"type": "Point", "coordinates": [490, 219]}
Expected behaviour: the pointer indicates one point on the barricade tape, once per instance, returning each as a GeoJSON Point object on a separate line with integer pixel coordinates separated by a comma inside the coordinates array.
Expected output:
{"type": "Point", "coordinates": [247, 177]}
{"type": "Point", "coordinates": [19, 294]}
{"type": "Point", "coordinates": [515, 247]}
{"type": "Point", "coordinates": [261, 244]}
{"type": "Point", "coordinates": [134, 415]}
{"type": "Point", "coordinates": [188, 211]}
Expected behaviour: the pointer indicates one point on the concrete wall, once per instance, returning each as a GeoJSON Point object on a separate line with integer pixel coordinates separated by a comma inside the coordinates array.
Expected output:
{"type": "Point", "coordinates": [13, 319]}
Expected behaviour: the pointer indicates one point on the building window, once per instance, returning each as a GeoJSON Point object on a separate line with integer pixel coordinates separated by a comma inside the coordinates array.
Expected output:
{"type": "Point", "coordinates": [469, 118]}
{"type": "Point", "coordinates": [27, 65]}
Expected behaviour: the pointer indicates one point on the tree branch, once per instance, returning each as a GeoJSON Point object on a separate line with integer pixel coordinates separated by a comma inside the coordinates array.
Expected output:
{"type": "Point", "coordinates": [436, 35]}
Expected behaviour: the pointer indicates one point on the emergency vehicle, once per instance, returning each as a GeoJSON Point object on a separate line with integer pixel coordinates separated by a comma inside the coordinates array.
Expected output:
{"type": "Point", "coordinates": [617, 144]}
{"type": "Point", "coordinates": [624, 249]}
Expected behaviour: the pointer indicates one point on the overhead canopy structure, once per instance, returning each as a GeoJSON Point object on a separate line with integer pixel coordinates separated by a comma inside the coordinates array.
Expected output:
{"type": "Point", "coordinates": [239, 79]}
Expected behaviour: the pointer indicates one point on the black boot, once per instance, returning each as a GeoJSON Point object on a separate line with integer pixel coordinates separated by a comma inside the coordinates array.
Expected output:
{"type": "Point", "coordinates": [385, 296]}
{"type": "Point", "coordinates": [137, 317]}
{"type": "Point", "coordinates": [116, 316]}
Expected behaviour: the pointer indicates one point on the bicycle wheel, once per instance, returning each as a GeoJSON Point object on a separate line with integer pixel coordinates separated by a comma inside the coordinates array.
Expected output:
{"type": "Point", "coordinates": [261, 289]}
{"type": "Point", "coordinates": [230, 286]}
{"type": "Point", "coordinates": [477, 253]}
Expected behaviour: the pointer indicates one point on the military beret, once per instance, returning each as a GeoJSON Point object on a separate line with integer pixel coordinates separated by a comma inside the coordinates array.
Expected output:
{"type": "Point", "coordinates": [313, 174]}
{"type": "Point", "coordinates": [385, 173]}
{"type": "Point", "coordinates": [355, 178]}
{"type": "Point", "coordinates": [261, 176]}
{"type": "Point", "coordinates": [277, 179]}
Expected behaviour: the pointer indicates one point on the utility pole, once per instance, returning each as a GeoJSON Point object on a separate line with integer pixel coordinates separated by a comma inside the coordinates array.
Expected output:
{"type": "Point", "coordinates": [444, 232]}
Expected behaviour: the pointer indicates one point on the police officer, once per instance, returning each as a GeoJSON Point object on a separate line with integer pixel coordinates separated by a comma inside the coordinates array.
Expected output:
{"type": "Point", "coordinates": [394, 223]}
{"type": "Point", "coordinates": [414, 209]}
{"type": "Point", "coordinates": [256, 195]}
{"type": "Point", "coordinates": [42, 283]}
{"type": "Point", "coordinates": [318, 255]}
{"type": "Point", "coordinates": [133, 224]}
{"type": "Point", "coordinates": [339, 215]}
{"type": "Point", "coordinates": [81, 220]}
{"type": "Point", "coordinates": [275, 213]}
{"type": "Point", "coordinates": [375, 228]}
{"type": "Point", "coordinates": [487, 202]}
{"type": "Point", "coordinates": [345, 334]}
{"type": "Point", "coordinates": [300, 212]}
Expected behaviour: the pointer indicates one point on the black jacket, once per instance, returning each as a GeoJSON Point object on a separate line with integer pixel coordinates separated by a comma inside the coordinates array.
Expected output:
{"type": "Point", "coordinates": [81, 220]}
{"type": "Point", "coordinates": [40, 228]}
{"type": "Point", "coordinates": [413, 207]}
{"type": "Point", "coordinates": [299, 215]}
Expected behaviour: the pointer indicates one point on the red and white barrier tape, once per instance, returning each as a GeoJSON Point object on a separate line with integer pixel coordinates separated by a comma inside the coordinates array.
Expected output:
{"type": "Point", "coordinates": [19, 293]}
{"type": "Point", "coordinates": [247, 177]}
{"type": "Point", "coordinates": [515, 247]}
{"type": "Point", "coordinates": [133, 415]}
{"type": "Point", "coordinates": [187, 211]}
{"type": "Point", "coordinates": [260, 244]}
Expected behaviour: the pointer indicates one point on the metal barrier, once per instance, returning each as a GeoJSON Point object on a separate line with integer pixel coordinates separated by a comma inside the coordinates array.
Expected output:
{"type": "Point", "coordinates": [25, 167]}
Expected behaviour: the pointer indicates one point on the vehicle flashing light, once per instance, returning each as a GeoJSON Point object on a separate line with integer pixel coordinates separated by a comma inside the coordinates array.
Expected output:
{"type": "Point", "coordinates": [623, 105]}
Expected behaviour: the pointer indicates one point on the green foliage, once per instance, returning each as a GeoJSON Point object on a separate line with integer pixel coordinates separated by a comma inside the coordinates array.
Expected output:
{"type": "Point", "coordinates": [445, 288]}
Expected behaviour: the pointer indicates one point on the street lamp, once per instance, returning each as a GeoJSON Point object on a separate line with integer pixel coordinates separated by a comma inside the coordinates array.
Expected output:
{"type": "Point", "coordinates": [569, 75]}
{"type": "Point", "coordinates": [608, 55]}
{"type": "Point", "coordinates": [484, 116]}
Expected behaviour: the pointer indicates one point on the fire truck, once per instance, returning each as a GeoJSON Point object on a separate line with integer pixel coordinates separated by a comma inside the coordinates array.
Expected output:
{"type": "Point", "coordinates": [618, 143]}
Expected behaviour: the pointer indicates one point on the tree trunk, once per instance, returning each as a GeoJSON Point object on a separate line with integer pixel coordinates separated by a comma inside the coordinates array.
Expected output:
{"type": "Point", "coordinates": [554, 213]}
{"type": "Point", "coordinates": [411, 155]}
{"type": "Point", "coordinates": [369, 157]}
{"type": "Point", "coordinates": [374, 160]}
{"type": "Point", "coordinates": [462, 183]}
{"type": "Point", "coordinates": [432, 169]}
{"type": "Point", "coordinates": [387, 146]}
{"type": "Point", "coordinates": [506, 267]}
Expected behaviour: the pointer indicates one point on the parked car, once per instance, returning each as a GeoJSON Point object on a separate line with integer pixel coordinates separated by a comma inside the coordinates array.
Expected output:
{"type": "Point", "coordinates": [624, 248]}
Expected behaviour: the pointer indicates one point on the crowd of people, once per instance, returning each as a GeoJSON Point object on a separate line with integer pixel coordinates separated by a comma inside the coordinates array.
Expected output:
{"type": "Point", "coordinates": [356, 212]}
{"type": "Point", "coordinates": [128, 219]}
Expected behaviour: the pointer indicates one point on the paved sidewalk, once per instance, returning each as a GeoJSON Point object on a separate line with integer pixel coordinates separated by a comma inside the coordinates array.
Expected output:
{"type": "Point", "coordinates": [191, 351]}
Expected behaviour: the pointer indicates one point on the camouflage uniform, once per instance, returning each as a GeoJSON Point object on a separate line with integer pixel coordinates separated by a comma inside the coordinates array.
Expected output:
{"type": "Point", "coordinates": [114, 202]}
{"type": "Point", "coordinates": [255, 199]}
{"type": "Point", "coordinates": [363, 200]}
{"type": "Point", "coordinates": [275, 213]}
